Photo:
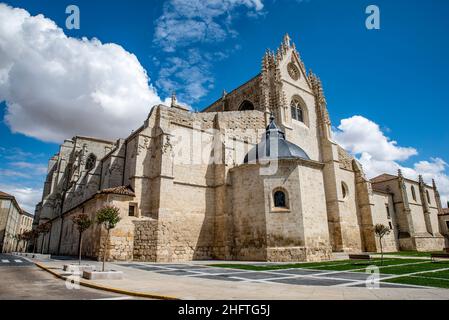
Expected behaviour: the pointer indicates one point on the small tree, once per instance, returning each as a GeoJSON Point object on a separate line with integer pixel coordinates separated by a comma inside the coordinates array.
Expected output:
{"type": "Point", "coordinates": [108, 216]}
{"type": "Point", "coordinates": [27, 236]}
{"type": "Point", "coordinates": [380, 230]}
{"type": "Point", "coordinates": [82, 223]}
{"type": "Point", "coordinates": [34, 236]}
{"type": "Point", "coordinates": [18, 238]}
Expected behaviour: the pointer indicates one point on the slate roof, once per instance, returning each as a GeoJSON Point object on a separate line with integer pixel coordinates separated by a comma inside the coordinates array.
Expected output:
{"type": "Point", "coordinates": [274, 146]}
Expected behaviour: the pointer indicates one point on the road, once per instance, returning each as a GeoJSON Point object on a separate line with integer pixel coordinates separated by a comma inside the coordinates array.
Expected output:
{"type": "Point", "coordinates": [20, 279]}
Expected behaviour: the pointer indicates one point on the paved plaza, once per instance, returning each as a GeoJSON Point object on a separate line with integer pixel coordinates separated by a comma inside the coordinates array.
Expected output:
{"type": "Point", "coordinates": [293, 276]}
{"type": "Point", "coordinates": [203, 280]}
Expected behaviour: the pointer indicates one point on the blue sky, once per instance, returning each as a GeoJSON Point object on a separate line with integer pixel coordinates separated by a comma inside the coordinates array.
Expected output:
{"type": "Point", "coordinates": [394, 78]}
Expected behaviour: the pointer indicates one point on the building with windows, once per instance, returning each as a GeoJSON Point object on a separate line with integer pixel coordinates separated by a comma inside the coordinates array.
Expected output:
{"type": "Point", "coordinates": [13, 222]}
{"type": "Point", "coordinates": [254, 176]}
{"type": "Point", "coordinates": [444, 224]}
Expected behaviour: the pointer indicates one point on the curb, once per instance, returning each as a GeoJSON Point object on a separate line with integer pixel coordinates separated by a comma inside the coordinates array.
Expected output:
{"type": "Point", "coordinates": [110, 289]}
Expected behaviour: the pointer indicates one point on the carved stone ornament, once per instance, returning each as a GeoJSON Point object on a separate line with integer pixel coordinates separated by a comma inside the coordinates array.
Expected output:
{"type": "Point", "coordinates": [167, 147]}
{"type": "Point", "coordinates": [293, 71]}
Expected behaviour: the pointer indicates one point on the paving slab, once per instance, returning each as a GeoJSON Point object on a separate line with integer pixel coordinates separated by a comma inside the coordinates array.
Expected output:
{"type": "Point", "coordinates": [144, 267]}
{"type": "Point", "coordinates": [308, 281]}
{"type": "Point", "coordinates": [172, 266]}
{"type": "Point", "coordinates": [348, 275]}
{"type": "Point", "coordinates": [223, 277]}
{"type": "Point", "coordinates": [177, 272]}
{"type": "Point", "coordinates": [302, 272]}
{"type": "Point", "coordinates": [389, 285]}
{"type": "Point", "coordinates": [222, 271]}
{"type": "Point", "coordinates": [204, 286]}
{"type": "Point", "coordinates": [259, 275]}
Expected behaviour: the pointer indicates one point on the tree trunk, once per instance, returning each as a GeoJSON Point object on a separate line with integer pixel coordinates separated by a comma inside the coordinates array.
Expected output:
{"type": "Point", "coordinates": [381, 252]}
{"type": "Point", "coordinates": [42, 244]}
{"type": "Point", "coordinates": [79, 247]}
{"type": "Point", "coordinates": [105, 249]}
{"type": "Point", "coordinates": [34, 245]}
{"type": "Point", "coordinates": [17, 246]}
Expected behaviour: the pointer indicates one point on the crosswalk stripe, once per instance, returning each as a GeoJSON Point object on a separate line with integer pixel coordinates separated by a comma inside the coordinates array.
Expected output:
{"type": "Point", "coordinates": [5, 261]}
{"type": "Point", "coordinates": [18, 261]}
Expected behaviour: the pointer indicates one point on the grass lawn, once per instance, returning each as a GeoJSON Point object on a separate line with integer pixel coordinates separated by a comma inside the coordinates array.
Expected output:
{"type": "Point", "coordinates": [412, 253]}
{"type": "Point", "coordinates": [426, 266]}
{"type": "Point", "coordinates": [439, 279]}
{"type": "Point", "coordinates": [436, 274]}
{"type": "Point", "coordinates": [361, 265]}
{"type": "Point", "coordinates": [421, 281]}
{"type": "Point", "coordinates": [339, 265]}
{"type": "Point", "coordinates": [390, 266]}
{"type": "Point", "coordinates": [278, 266]}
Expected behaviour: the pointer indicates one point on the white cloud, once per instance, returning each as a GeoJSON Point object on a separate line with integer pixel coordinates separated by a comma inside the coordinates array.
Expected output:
{"type": "Point", "coordinates": [34, 168]}
{"type": "Point", "coordinates": [190, 73]}
{"type": "Point", "coordinates": [186, 23]}
{"type": "Point", "coordinates": [56, 86]}
{"type": "Point", "coordinates": [13, 174]}
{"type": "Point", "coordinates": [25, 196]}
{"type": "Point", "coordinates": [358, 134]}
{"type": "Point", "coordinates": [17, 154]}
{"type": "Point", "coordinates": [378, 154]}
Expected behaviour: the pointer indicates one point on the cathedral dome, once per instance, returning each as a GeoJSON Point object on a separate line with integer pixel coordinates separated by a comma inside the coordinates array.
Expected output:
{"type": "Point", "coordinates": [274, 146]}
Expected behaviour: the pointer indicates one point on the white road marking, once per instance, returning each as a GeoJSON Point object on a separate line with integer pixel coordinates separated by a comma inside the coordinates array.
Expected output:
{"type": "Point", "coordinates": [5, 261]}
{"type": "Point", "coordinates": [18, 261]}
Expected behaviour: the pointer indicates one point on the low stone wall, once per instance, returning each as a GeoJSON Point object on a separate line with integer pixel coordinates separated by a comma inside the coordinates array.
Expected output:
{"type": "Point", "coordinates": [145, 240]}
{"type": "Point", "coordinates": [389, 243]}
{"type": "Point", "coordinates": [249, 254]}
{"type": "Point", "coordinates": [406, 244]}
{"type": "Point", "coordinates": [294, 254]}
{"type": "Point", "coordinates": [429, 243]}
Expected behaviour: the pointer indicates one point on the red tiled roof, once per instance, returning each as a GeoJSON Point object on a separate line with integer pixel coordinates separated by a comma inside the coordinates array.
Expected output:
{"type": "Point", "coordinates": [122, 190]}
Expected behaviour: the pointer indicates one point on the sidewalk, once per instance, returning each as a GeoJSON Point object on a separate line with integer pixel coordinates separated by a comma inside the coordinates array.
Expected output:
{"type": "Point", "coordinates": [163, 286]}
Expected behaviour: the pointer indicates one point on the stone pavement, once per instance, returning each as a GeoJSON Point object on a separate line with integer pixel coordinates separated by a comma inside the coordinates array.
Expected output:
{"type": "Point", "coordinates": [196, 281]}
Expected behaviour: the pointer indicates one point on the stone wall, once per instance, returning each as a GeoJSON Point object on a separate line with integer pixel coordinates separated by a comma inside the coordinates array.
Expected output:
{"type": "Point", "coordinates": [250, 91]}
{"type": "Point", "coordinates": [381, 200]}
{"type": "Point", "coordinates": [248, 214]}
{"type": "Point", "coordinates": [350, 219]}
{"type": "Point", "coordinates": [199, 201]}
{"type": "Point", "coordinates": [297, 232]}
{"type": "Point", "coordinates": [145, 240]}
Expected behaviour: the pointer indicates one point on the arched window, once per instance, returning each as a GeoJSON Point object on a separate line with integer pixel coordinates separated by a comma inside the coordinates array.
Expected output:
{"type": "Point", "coordinates": [344, 190]}
{"type": "Point", "coordinates": [298, 110]}
{"type": "Point", "coordinates": [428, 196]}
{"type": "Point", "coordinates": [90, 162]}
{"type": "Point", "coordinates": [413, 193]}
{"type": "Point", "coordinates": [246, 105]}
{"type": "Point", "coordinates": [280, 199]}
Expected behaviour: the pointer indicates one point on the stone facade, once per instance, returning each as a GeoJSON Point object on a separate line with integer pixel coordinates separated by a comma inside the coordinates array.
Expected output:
{"type": "Point", "coordinates": [13, 222]}
{"type": "Point", "coordinates": [185, 192]}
